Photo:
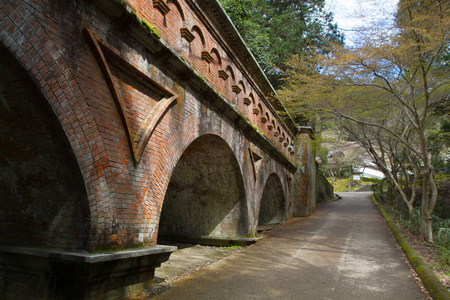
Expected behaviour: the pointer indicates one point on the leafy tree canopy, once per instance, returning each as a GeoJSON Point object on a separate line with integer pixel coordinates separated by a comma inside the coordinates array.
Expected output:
{"type": "Point", "coordinates": [390, 93]}
{"type": "Point", "coordinates": [277, 29]}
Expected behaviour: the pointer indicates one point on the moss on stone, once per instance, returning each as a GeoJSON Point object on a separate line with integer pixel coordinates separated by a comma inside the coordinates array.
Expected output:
{"type": "Point", "coordinates": [149, 27]}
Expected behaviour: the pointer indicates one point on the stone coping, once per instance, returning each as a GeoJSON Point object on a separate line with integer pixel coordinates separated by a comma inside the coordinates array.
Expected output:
{"type": "Point", "coordinates": [213, 240]}
{"type": "Point", "coordinates": [84, 256]}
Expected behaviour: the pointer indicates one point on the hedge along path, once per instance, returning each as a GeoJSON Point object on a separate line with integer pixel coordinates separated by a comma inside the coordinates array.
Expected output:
{"type": "Point", "coordinates": [434, 287]}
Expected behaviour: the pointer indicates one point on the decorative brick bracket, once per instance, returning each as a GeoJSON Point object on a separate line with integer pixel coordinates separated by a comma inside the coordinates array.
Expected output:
{"type": "Point", "coordinates": [255, 111]}
{"type": "Point", "coordinates": [223, 74]}
{"type": "Point", "coordinates": [139, 141]}
{"type": "Point", "coordinates": [263, 120]}
{"type": "Point", "coordinates": [236, 88]}
{"type": "Point", "coordinates": [162, 6]}
{"type": "Point", "coordinates": [270, 127]}
{"type": "Point", "coordinates": [276, 133]}
{"type": "Point", "coordinates": [187, 34]}
{"type": "Point", "coordinates": [247, 101]}
{"type": "Point", "coordinates": [206, 56]}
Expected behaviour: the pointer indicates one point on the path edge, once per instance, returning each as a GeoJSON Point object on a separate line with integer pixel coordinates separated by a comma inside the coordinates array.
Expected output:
{"type": "Point", "coordinates": [434, 287]}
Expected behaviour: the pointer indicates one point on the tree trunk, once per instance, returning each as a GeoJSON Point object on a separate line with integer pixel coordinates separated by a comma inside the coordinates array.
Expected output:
{"type": "Point", "coordinates": [426, 227]}
{"type": "Point", "coordinates": [410, 210]}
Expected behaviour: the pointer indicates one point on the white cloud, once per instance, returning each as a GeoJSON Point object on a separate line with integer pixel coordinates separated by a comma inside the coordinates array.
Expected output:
{"type": "Point", "coordinates": [350, 14]}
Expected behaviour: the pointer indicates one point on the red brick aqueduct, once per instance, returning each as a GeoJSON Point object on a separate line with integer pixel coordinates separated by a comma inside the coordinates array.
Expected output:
{"type": "Point", "coordinates": [122, 121]}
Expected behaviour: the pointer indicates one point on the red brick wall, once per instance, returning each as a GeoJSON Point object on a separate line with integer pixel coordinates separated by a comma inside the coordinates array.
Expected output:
{"type": "Point", "coordinates": [125, 196]}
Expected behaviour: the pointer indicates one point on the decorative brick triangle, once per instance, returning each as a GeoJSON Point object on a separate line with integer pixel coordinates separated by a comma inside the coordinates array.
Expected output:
{"type": "Point", "coordinates": [139, 140]}
{"type": "Point", "coordinates": [254, 158]}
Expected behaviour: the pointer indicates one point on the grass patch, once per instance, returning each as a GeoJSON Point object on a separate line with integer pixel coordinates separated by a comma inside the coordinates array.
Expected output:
{"type": "Point", "coordinates": [341, 184]}
{"type": "Point", "coordinates": [231, 248]}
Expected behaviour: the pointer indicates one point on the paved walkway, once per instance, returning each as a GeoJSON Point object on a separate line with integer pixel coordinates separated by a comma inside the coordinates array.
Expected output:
{"type": "Point", "coordinates": [344, 251]}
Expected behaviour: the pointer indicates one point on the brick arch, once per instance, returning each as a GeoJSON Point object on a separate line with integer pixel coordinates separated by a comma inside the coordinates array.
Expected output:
{"type": "Point", "coordinates": [282, 139]}
{"type": "Point", "coordinates": [241, 83]}
{"type": "Point", "coordinates": [230, 72]}
{"type": "Point", "coordinates": [252, 98]}
{"type": "Point", "coordinates": [261, 113]}
{"type": "Point", "coordinates": [67, 100]}
{"type": "Point", "coordinates": [174, 147]}
{"type": "Point", "coordinates": [175, 15]}
{"type": "Point", "coordinates": [197, 47]}
{"type": "Point", "coordinates": [229, 82]}
{"type": "Point", "coordinates": [218, 58]}
{"type": "Point", "coordinates": [214, 68]}
{"type": "Point", "coordinates": [196, 202]}
{"type": "Point", "coordinates": [273, 125]}
{"type": "Point", "coordinates": [178, 8]}
{"type": "Point", "coordinates": [254, 110]}
{"type": "Point", "coordinates": [195, 29]}
{"type": "Point", "coordinates": [43, 194]}
{"type": "Point", "coordinates": [272, 204]}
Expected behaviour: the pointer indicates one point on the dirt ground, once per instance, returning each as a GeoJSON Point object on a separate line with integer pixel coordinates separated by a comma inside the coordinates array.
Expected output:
{"type": "Point", "coordinates": [187, 259]}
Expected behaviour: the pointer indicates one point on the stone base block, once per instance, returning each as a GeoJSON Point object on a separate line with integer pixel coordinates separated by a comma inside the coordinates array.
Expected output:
{"type": "Point", "coordinates": [37, 273]}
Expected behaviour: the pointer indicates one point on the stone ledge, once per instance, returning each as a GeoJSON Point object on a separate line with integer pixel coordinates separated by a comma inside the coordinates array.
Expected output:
{"type": "Point", "coordinates": [54, 274]}
{"type": "Point", "coordinates": [84, 256]}
{"type": "Point", "coordinates": [212, 240]}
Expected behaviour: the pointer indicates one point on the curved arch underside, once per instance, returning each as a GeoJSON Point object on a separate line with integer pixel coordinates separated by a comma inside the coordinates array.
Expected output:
{"type": "Point", "coordinates": [43, 201]}
{"type": "Point", "coordinates": [272, 202]}
{"type": "Point", "coordinates": [206, 195]}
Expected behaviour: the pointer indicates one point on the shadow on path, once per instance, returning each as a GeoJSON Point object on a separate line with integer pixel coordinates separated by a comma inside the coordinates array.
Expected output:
{"type": "Point", "coordinates": [344, 251]}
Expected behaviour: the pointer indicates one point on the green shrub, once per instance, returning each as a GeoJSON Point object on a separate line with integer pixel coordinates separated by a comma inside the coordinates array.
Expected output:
{"type": "Point", "coordinates": [412, 223]}
{"type": "Point", "coordinates": [377, 186]}
{"type": "Point", "coordinates": [441, 230]}
{"type": "Point", "coordinates": [444, 256]}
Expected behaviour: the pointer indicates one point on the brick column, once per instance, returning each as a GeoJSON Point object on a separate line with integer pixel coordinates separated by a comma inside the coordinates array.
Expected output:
{"type": "Point", "coordinates": [304, 186]}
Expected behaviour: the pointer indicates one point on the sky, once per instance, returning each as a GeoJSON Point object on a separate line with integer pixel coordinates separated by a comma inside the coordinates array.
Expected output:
{"type": "Point", "coordinates": [350, 14]}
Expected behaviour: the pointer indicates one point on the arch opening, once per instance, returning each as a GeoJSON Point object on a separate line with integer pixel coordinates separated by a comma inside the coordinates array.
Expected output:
{"type": "Point", "coordinates": [43, 199]}
{"type": "Point", "coordinates": [272, 207]}
{"type": "Point", "coordinates": [206, 195]}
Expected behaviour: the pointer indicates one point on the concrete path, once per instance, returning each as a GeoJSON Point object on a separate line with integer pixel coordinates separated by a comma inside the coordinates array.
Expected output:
{"type": "Point", "coordinates": [344, 251]}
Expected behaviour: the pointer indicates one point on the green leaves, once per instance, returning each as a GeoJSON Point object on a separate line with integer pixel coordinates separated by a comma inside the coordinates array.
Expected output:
{"type": "Point", "coordinates": [276, 30]}
{"type": "Point", "coordinates": [389, 94]}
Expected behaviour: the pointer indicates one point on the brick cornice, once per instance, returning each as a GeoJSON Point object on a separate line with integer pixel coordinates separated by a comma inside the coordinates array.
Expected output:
{"type": "Point", "coordinates": [233, 43]}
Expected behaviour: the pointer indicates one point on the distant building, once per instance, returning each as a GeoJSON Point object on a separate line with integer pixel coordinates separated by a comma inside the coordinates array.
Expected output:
{"type": "Point", "coordinates": [369, 172]}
